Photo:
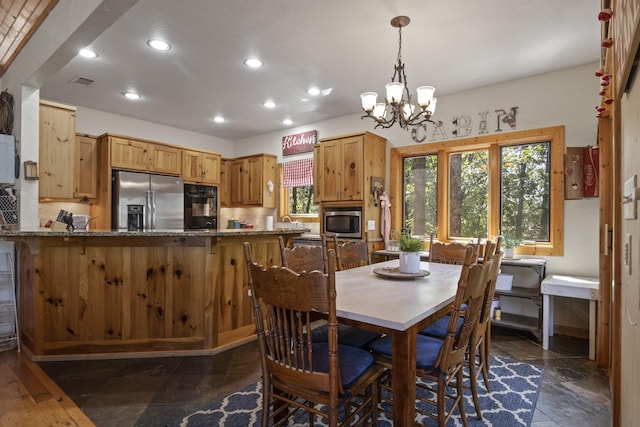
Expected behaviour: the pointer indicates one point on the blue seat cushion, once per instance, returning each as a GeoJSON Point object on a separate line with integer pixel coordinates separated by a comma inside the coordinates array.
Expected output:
{"type": "Point", "coordinates": [347, 335]}
{"type": "Point", "coordinates": [438, 329]}
{"type": "Point", "coordinates": [427, 349]}
{"type": "Point", "coordinates": [352, 361]}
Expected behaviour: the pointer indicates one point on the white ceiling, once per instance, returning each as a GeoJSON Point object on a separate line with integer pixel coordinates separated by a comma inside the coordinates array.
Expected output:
{"type": "Point", "coordinates": [346, 45]}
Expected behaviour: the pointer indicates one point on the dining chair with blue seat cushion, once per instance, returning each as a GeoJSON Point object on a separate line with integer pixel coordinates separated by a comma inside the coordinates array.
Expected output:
{"type": "Point", "coordinates": [442, 360]}
{"type": "Point", "coordinates": [438, 329]}
{"type": "Point", "coordinates": [328, 380]}
{"type": "Point", "coordinates": [351, 335]}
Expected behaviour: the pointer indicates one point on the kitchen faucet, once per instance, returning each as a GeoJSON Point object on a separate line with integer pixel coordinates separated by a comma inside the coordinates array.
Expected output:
{"type": "Point", "coordinates": [285, 218]}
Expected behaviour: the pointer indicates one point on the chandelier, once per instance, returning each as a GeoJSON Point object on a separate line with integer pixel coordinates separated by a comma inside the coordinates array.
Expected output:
{"type": "Point", "coordinates": [397, 106]}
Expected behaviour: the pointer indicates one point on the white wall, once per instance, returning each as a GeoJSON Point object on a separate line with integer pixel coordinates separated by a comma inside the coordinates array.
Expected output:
{"type": "Point", "coordinates": [94, 122]}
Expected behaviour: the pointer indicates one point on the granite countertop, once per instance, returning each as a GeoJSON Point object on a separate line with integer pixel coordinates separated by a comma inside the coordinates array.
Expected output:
{"type": "Point", "coordinates": [45, 232]}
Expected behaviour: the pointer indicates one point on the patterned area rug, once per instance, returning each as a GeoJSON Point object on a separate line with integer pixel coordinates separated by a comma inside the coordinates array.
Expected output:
{"type": "Point", "coordinates": [515, 387]}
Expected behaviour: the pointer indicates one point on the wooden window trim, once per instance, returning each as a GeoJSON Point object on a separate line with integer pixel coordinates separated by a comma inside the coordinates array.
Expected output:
{"type": "Point", "coordinates": [554, 134]}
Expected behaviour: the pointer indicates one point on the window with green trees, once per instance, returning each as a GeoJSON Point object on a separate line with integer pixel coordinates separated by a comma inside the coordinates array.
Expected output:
{"type": "Point", "coordinates": [301, 201]}
{"type": "Point", "coordinates": [509, 184]}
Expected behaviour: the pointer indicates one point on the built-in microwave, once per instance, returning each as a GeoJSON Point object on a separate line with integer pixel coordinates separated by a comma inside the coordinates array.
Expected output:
{"type": "Point", "coordinates": [344, 222]}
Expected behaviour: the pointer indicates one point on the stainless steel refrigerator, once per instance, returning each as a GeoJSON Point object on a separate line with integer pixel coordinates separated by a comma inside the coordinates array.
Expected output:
{"type": "Point", "coordinates": [162, 198]}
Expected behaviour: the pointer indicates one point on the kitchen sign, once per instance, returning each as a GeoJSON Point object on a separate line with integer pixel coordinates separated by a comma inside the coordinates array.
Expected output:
{"type": "Point", "coordinates": [299, 142]}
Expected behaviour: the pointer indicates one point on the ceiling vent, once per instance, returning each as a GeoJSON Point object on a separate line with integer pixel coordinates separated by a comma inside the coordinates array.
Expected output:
{"type": "Point", "coordinates": [82, 81]}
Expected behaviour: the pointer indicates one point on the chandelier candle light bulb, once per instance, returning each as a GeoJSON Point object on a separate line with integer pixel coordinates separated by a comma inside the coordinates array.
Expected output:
{"type": "Point", "coordinates": [397, 106]}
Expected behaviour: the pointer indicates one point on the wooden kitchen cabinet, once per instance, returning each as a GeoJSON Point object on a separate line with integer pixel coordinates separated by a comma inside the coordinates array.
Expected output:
{"type": "Point", "coordinates": [138, 155]}
{"type": "Point", "coordinates": [346, 165]}
{"type": "Point", "coordinates": [128, 154]}
{"type": "Point", "coordinates": [86, 167]}
{"type": "Point", "coordinates": [223, 189]}
{"type": "Point", "coordinates": [200, 167]}
{"type": "Point", "coordinates": [165, 159]}
{"type": "Point", "coordinates": [57, 151]}
{"type": "Point", "coordinates": [249, 181]}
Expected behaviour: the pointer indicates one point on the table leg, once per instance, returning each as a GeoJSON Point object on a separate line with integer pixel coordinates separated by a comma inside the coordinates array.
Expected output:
{"type": "Point", "coordinates": [404, 376]}
{"type": "Point", "coordinates": [552, 321]}
{"type": "Point", "coordinates": [545, 321]}
{"type": "Point", "coordinates": [592, 329]}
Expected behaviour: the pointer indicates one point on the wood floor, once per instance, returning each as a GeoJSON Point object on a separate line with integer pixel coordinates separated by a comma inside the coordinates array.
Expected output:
{"type": "Point", "coordinates": [28, 397]}
{"type": "Point", "coordinates": [154, 392]}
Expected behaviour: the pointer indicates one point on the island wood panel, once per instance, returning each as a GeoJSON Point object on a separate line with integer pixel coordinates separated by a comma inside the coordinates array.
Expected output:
{"type": "Point", "coordinates": [234, 307]}
{"type": "Point", "coordinates": [27, 299]}
{"type": "Point", "coordinates": [110, 298]}
{"type": "Point", "coordinates": [136, 293]}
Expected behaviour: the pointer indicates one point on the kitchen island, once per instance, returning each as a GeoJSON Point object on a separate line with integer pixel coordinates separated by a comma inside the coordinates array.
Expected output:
{"type": "Point", "coordinates": [118, 293]}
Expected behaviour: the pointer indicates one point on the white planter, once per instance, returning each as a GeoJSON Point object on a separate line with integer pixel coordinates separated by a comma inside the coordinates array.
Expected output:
{"type": "Point", "coordinates": [409, 262]}
{"type": "Point", "coordinates": [508, 252]}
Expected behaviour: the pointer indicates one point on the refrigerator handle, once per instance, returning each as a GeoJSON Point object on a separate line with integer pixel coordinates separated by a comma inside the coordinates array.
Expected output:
{"type": "Point", "coordinates": [153, 210]}
{"type": "Point", "coordinates": [147, 218]}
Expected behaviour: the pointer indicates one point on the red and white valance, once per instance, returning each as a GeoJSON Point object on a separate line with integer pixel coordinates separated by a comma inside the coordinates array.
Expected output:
{"type": "Point", "coordinates": [297, 173]}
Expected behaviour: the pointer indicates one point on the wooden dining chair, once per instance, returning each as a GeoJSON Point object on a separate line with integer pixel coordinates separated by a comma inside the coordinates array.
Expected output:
{"type": "Point", "coordinates": [480, 343]}
{"type": "Point", "coordinates": [354, 255]}
{"type": "Point", "coordinates": [449, 253]}
{"type": "Point", "coordinates": [299, 374]}
{"type": "Point", "coordinates": [349, 253]}
{"type": "Point", "coordinates": [303, 258]}
{"type": "Point", "coordinates": [442, 361]}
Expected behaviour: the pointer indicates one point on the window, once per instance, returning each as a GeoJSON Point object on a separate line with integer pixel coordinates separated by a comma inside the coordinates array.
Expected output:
{"type": "Point", "coordinates": [421, 173]}
{"type": "Point", "coordinates": [524, 191]}
{"type": "Point", "coordinates": [509, 184]}
{"type": "Point", "coordinates": [297, 199]}
{"type": "Point", "coordinates": [468, 194]}
{"type": "Point", "coordinates": [300, 201]}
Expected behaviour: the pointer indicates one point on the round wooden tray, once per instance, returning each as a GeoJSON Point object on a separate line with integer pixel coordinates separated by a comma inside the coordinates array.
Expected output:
{"type": "Point", "coordinates": [394, 273]}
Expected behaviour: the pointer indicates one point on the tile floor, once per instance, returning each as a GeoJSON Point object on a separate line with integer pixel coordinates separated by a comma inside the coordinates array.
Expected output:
{"type": "Point", "coordinates": [152, 392]}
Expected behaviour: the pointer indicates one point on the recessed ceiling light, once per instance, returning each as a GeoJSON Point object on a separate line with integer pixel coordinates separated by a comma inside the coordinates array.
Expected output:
{"type": "Point", "coordinates": [159, 44]}
{"type": "Point", "coordinates": [132, 95]}
{"type": "Point", "coordinates": [88, 53]}
{"type": "Point", "coordinates": [269, 104]}
{"type": "Point", "coordinates": [287, 122]}
{"type": "Point", "coordinates": [218, 119]}
{"type": "Point", "coordinates": [313, 91]}
{"type": "Point", "coordinates": [253, 63]}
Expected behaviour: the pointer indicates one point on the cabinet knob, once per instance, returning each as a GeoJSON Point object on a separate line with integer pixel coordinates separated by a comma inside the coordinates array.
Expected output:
{"type": "Point", "coordinates": [352, 165]}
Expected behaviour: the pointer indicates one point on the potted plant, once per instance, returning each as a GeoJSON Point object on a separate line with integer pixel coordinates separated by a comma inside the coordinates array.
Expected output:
{"type": "Point", "coordinates": [510, 243]}
{"type": "Point", "coordinates": [410, 248]}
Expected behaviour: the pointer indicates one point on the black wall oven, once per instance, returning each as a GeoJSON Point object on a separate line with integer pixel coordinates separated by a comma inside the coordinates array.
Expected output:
{"type": "Point", "coordinates": [200, 207]}
{"type": "Point", "coordinates": [345, 222]}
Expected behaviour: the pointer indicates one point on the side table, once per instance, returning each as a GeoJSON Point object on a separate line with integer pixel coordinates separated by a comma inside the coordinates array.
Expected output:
{"type": "Point", "coordinates": [571, 287]}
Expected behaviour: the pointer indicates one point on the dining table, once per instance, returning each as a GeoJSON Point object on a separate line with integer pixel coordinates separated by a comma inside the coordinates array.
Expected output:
{"type": "Point", "coordinates": [378, 297]}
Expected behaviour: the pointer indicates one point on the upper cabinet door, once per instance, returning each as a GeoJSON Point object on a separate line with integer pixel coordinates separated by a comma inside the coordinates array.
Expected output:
{"type": "Point", "coordinates": [352, 173]}
{"type": "Point", "coordinates": [165, 159]}
{"type": "Point", "coordinates": [57, 151]}
{"type": "Point", "coordinates": [129, 154]}
{"type": "Point", "coordinates": [210, 168]}
{"type": "Point", "coordinates": [86, 173]}
{"type": "Point", "coordinates": [254, 184]}
{"type": "Point", "coordinates": [191, 166]}
{"type": "Point", "coordinates": [330, 182]}
{"type": "Point", "coordinates": [225, 181]}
